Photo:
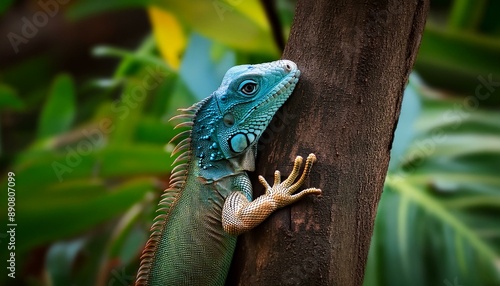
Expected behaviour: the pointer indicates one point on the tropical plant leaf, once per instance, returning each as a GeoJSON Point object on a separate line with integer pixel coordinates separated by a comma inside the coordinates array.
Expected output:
{"type": "Point", "coordinates": [241, 25]}
{"type": "Point", "coordinates": [38, 169]}
{"type": "Point", "coordinates": [58, 112]}
{"type": "Point", "coordinates": [60, 260]}
{"type": "Point", "coordinates": [466, 15]}
{"type": "Point", "coordinates": [169, 36]}
{"type": "Point", "coordinates": [9, 99]}
{"type": "Point", "coordinates": [460, 61]}
{"type": "Point", "coordinates": [436, 193]}
{"type": "Point", "coordinates": [4, 5]}
{"type": "Point", "coordinates": [238, 24]}
{"type": "Point", "coordinates": [58, 221]}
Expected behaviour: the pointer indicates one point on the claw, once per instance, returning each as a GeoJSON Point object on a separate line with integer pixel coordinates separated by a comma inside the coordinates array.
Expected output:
{"type": "Point", "coordinates": [311, 157]}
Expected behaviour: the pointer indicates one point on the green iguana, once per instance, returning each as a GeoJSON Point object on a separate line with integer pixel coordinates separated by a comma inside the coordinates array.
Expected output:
{"type": "Point", "coordinates": [209, 201]}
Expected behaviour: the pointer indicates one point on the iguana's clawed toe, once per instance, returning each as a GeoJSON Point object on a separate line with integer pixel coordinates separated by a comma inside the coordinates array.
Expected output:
{"type": "Point", "coordinates": [283, 192]}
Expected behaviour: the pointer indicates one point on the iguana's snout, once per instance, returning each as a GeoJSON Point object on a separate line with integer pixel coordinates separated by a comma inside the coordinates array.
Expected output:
{"type": "Point", "coordinates": [289, 66]}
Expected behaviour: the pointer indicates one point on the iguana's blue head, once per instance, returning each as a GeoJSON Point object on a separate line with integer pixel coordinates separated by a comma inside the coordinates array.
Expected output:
{"type": "Point", "coordinates": [238, 112]}
{"type": "Point", "coordinates": [247, 100]}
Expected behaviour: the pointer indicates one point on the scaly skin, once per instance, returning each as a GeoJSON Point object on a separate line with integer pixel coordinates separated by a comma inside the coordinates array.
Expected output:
{"type": "Point", "coordinates": [209, 201]}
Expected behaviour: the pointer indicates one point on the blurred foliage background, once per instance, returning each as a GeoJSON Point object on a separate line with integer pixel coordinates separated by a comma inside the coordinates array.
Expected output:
{"type": "Point", "coordinates": [87, 88]}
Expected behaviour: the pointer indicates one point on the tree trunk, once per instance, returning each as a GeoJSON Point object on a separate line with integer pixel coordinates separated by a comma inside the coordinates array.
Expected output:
{"type": "Point", "coordinates": [355, 58]}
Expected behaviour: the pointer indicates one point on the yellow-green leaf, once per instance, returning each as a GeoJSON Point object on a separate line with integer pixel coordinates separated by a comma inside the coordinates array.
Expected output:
{"type": "Point", "coordinates": [237, 24]}
{"type": "Point", "coordinates": [169, 36]}
{"type": "Point", "coordinates": [59, 109]}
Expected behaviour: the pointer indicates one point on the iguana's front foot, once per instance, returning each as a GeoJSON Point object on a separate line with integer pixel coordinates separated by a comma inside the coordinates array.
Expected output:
{"type": "Point", "coordinates": [240, 215]}
{"type": "Point", "coordinates": [282, 193]}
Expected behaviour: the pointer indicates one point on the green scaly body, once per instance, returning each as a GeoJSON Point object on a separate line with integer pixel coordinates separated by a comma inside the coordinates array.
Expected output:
{"type": "Point", "coordinates": [209, 201]}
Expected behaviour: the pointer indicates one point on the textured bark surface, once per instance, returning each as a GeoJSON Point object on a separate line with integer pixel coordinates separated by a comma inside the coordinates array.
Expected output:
{"type": "Point", "coordinates": [355, 58]}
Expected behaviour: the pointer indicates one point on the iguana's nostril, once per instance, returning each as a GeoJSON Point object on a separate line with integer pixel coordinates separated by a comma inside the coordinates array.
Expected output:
{"type": "Point", "coordinates": [288, 66]}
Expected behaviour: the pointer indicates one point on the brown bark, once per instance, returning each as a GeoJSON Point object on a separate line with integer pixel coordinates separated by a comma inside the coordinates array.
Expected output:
{"type": "Point", "coordinates": [355, 58]}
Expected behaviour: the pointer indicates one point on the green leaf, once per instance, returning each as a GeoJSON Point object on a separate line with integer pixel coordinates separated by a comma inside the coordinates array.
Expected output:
{"type": "Point", "coordinates": [403, 214]}
{"type": "Point", "coordinates": [37, 71]}
{"type": "Point", "coordinates": [59, 109]}
{"type": "Point", "coordinates": [241, 25]}
{"type": "Point", "coordinates": [127, 239]}
{"type": "Point", "coordinates": [4, 5]}
{"type": "Point", "coordinates": [136, 160]}
{"type": "Point", "coordinates": [448, 120]}
{"type": "Point", "coordinates": [60, 260]}
{"type": "Point", "coordinates": [452, 50]}
{"type": "Point", "coordinates": [431, 205]}
{"type": "Point", "coordinates": [41, 222]}
{"type": "Point", "coordinates": [460, 61]}
{"type": "Point", "coordinates": [142, 58]}
{"type": "Point", "coordinates": [456, 145]}
{"type": "Point", "coordinates": [39, 169]}
{"type": "Point", "coordinates": [123, 228]}
{"type": "Point", "coordinates": [466, 14]}
{"type": "Point", "coordinates": [144, 74]}
{"type": "Point", "coordinates": [9, 99]}
{"type": "Point", "coordinates": [443, 198]}
{"type": "Point", "coordinates": [151, 130]}
{"type": "Point", "coordinates": [162, 96]}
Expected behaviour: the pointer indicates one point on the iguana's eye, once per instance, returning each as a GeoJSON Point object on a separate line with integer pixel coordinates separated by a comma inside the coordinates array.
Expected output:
{"type": "Point", "coordinates": [248, 87]}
